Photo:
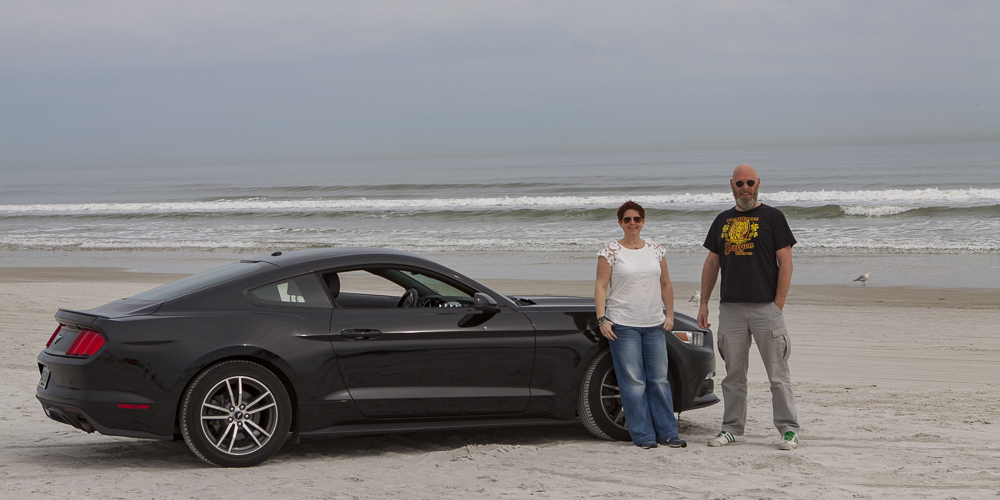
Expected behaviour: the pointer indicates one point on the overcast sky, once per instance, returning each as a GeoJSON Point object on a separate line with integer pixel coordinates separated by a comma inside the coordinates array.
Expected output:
{"type": "Point", "coordinates": [160, 83]}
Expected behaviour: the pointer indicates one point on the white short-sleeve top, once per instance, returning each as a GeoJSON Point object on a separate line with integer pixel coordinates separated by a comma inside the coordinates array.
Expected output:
{"type": "Point", "coordinates": [634, 297]}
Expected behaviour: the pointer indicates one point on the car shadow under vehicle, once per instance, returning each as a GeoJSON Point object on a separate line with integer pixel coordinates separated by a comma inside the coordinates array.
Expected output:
{"type": "Point", "coordinates": [113, 452]}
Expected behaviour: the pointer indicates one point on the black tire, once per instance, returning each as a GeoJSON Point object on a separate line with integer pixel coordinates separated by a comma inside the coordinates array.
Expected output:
{"type": "Point", "coordinates": [243, 434]}
{"type": "Point", "coordinates": [600, 402]}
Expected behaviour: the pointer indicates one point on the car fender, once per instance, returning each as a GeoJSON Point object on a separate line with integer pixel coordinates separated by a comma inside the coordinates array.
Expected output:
{"type": "Point", "coordinates": [279, 366]}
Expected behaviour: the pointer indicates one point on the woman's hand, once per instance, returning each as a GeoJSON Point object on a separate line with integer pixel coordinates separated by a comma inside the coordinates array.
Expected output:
{"type": "Point", "coordinates": [668, 324]}
{"type": "Point", "coordinates": [607, 332]}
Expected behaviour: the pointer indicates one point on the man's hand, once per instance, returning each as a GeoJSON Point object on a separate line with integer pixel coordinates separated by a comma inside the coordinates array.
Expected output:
{"type": "Point", "coordinates": [703, 316]}
{"type": "Point", "coordinates": [709, 275]}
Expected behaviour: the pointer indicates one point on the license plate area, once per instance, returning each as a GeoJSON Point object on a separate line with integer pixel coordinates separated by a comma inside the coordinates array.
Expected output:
{"type": "Point", "coordinates": [43, 381]}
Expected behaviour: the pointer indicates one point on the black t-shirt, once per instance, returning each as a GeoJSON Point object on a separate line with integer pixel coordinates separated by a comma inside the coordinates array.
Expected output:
{"type": "Point", "coordinates": [746, 243]}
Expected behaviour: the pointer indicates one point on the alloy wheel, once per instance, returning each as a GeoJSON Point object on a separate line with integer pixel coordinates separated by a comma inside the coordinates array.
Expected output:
{"type": "Point", "coordinates": [239, 415]}
{"type": "Point", "coordinates": [611, 400]}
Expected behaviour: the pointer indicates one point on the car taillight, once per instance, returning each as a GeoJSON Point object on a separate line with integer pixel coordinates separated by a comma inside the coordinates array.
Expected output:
{"type": "Point", "coordinates": [53, 337]}
{"type": "Point", "coordinates": [86, 344]}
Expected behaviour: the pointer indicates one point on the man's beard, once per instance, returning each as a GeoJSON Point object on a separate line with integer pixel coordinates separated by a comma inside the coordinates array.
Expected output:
{"type": "Point", "coordinates": [745, 204]}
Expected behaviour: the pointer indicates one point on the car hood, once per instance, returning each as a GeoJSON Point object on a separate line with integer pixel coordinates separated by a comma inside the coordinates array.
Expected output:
{"type": "Point", "coordinates": [548, 301]}
{"type": "Point", "coordinates": [681, 320]}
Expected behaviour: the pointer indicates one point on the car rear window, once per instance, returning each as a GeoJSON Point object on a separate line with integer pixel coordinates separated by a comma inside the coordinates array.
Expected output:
{"type": "Point", "coordinates": [302, 291]}
{"type": "Point", "coordinates": [201, 280]}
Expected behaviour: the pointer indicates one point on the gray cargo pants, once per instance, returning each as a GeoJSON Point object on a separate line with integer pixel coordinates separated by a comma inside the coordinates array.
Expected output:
{"type": "Point", "coordinates": [740, 324]}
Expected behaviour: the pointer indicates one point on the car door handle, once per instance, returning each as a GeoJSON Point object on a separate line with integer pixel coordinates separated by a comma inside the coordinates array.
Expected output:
{"type": "Point", "coordinates": [360, 334]}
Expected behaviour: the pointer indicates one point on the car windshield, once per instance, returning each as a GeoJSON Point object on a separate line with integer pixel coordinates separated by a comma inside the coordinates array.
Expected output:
{"type": "Point", "coordinates": [201, 280]}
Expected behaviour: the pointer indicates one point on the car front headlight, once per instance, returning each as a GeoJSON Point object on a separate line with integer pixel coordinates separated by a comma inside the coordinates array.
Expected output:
{"type": "Point", "coordinates": [689, 337]}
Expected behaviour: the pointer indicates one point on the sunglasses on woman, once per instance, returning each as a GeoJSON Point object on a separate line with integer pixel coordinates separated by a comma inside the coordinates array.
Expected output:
{"type": "Point", "coordinates": [630, 219]}
{"type": "Point", "coordinates": [749, 183]}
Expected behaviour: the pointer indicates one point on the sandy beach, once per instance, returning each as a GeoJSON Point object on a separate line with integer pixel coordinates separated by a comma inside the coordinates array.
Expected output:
{"type": "Point", "coordinates": [896, 389]}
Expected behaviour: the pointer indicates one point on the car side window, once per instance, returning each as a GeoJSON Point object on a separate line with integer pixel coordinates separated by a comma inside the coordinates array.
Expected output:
{"type": "Point", "coordinates": [303, 291]}
{"type": "Point", "coordinates": [436, 285]}
{"type": "Point", "coordinates": [394, 288]}
{"type": "Point", "coordinates": [361, 289]}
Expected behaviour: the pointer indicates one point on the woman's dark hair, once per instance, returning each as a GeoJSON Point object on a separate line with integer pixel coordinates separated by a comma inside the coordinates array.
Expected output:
{"type": "Point", "coordinates": [631, 205]}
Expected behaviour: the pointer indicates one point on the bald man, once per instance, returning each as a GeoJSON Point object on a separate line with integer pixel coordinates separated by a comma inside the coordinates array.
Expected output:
{"type": "Point", "coordinates": [751, 244]}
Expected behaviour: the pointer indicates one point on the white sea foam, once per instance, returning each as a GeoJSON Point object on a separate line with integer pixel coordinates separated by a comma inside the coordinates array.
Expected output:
{"type": "Point", "coordinates": [863, 202]}
{"type": "Point", "coordinates": [877, 211]}
{"type": "Point", "coordinates": [418, 243]}
{"type": "Point", "coordinates": [899, 247]}
{"type": "Point", "coordinates": [921, 197]}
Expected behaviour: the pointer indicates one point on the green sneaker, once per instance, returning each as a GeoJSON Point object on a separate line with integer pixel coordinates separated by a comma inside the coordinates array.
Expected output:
{"type": "Point", "coordinates": [790, 441]}
{"type": "Point", "coordinates": [724, 438]}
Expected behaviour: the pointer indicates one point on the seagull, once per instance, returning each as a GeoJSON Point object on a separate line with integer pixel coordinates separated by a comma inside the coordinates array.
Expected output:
{"type": "Point", "coordinates": [696, 297]}
{"type": "Point", "coordinates": [863, 278]}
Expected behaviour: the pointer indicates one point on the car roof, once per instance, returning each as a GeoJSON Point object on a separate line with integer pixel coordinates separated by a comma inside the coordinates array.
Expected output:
{"type": "Point", "coordinates": [319, 259]}
{"type": "Point", "coordinates": [318, 255]}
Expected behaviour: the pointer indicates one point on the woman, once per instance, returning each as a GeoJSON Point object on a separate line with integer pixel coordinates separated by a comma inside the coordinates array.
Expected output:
{"type": "Point", "coordinates": [632, 318]}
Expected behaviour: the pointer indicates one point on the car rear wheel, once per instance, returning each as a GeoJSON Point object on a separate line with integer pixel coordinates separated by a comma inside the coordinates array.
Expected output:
{"type": "Point", "coordinates": [235, 414]}
{"type": "Point", "coordinates": [600, 401]}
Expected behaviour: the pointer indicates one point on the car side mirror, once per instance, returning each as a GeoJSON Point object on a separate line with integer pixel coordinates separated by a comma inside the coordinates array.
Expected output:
{"type": "Point", "coordinates": [483, 302]}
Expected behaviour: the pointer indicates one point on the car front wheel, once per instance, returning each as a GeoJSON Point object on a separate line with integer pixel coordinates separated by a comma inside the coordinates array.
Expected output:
{"type": "Point", "coordinates": [600, 401]}
{"type": "Point", "coordinates": [235, 414]}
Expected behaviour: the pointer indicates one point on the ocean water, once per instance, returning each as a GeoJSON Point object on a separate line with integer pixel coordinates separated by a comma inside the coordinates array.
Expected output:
{"type": "Point", "coordinates": [913, 215]}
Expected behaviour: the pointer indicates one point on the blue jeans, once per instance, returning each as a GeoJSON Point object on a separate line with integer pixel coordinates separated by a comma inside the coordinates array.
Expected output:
{"type": "Point", "coordinates": [640, 358]}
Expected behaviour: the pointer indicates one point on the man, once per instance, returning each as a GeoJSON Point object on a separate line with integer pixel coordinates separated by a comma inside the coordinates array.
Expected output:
{"type": "Point", "coordinates": [751, 244]}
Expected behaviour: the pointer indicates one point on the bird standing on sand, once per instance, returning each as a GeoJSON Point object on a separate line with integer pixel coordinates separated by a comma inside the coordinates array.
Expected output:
{"type": "Point", "coordinates": [696, 297]}
{"type": "Point", "coordinates": [863, 278]}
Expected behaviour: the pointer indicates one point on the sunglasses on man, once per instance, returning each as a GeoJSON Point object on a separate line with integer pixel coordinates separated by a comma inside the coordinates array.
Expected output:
{"type": "Point", "coordinates": [749, 183]}
{"type": "Point", "coordinates": [629, 219]}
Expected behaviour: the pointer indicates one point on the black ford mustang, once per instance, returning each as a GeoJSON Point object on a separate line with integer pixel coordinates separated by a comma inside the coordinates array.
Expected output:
{"type": "Point", "coordinates": [339, 341]}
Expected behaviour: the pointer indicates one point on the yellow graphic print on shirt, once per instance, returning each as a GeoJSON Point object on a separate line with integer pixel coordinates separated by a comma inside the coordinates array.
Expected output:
{"type": "Point", "coordinates": [738, 234]}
